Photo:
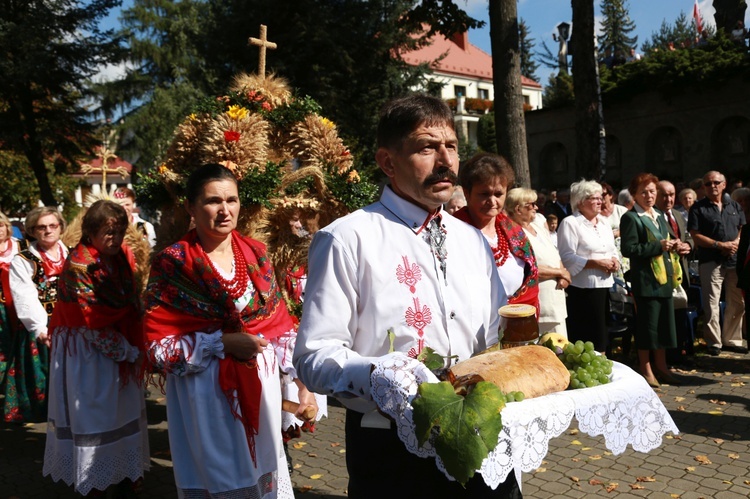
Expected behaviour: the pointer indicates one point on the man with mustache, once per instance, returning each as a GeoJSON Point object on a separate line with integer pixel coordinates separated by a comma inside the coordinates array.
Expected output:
{"type": "Point", "coordinates": [399, 275]}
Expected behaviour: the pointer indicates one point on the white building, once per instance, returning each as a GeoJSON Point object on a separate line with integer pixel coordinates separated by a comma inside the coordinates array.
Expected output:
{"type": "Point", "coordinates": [464, 75]}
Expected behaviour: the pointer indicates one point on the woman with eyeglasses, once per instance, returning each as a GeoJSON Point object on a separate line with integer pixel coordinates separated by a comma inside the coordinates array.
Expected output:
{"type": "Point", "coordinates": [521, 207]}
{"type": "Point", "coordinates": [486, 179]}
{"type": "Point", "coordinates": [587, 248]}
{"type": "Point", "coordinates": [33, 284]}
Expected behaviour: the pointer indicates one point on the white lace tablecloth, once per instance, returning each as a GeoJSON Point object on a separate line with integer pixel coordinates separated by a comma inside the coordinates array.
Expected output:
{"type": "Point", "coordinates": [625, 411]}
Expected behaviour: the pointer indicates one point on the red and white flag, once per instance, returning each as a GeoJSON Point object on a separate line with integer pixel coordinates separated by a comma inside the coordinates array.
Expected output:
{"type": "Point", "coordinates": [697, 17]}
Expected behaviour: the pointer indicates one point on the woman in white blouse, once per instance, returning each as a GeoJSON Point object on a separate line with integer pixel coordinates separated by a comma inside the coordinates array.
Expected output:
{"type": "Point", "coordinates": [520, 204]}
{"type": "Point", "coordinates": [587, 249]}
{"type": "Point", "coordinates": [33, 284]}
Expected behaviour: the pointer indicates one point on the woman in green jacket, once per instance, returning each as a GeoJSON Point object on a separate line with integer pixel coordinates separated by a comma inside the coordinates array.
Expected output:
{"type": "Point", "coordinates": [653, 274]}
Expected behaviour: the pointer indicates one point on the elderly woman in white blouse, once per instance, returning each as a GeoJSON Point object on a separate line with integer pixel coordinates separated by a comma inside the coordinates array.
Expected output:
{"type": "Point", "coordinates": [587, 248]}
{"type": "Point", "coordinates": [521, 207]}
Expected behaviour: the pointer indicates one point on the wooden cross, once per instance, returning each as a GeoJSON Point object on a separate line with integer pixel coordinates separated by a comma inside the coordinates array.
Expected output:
{"type": "Point", "coordinates": [106, 155]}
{"type": "Point", "coordinates": [263, 44]}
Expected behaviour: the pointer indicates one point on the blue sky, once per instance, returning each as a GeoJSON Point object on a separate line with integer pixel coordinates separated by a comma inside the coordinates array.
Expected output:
{"type": "Point", "coordinates": [542, 17]}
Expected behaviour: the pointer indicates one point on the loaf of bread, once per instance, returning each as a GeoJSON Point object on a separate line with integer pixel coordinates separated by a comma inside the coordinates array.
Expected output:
{"type": "Point", "coordinates": [533, 370]}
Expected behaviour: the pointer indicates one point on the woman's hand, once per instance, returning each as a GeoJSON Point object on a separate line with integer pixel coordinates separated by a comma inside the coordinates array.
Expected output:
{"type": "Point", "coordinates": [609, 265]}
{"type": "Point", "coordinates": [45, 339]}
{"type": "Point", "coordinates": [563, 281]}
{"type": "Point", "coordinates": [243, 346]}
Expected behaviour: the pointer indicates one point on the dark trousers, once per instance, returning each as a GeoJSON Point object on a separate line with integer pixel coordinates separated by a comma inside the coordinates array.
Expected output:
{"type": "Point", "coordinates": [587, 316]}
{"type": "Point", "coordinates": [380, 467]}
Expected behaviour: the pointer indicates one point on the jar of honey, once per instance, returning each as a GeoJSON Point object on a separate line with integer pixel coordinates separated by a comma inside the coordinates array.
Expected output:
{"type": "Point", "coordinates": [518, 325]}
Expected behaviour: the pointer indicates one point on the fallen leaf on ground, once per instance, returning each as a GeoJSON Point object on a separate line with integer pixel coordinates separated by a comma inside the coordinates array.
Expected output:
{"type": "Point", "coordinates": [575, 459]}
{"type": "Point", "coordinates": [728, 373]}
{"type": "Point", "coordinates": [585, 448]}
{"type": "Point", "coordinates": [306, 487]}
{"type": "Point", "coordinates": [607, 453]}
{"type": "Point", "coordinates": [716, 413]}
{"type": "Point", "coordinates": [719, 440]}
{"type": "Point", "coordinates": [316, 476]}
{"type": "Point", "coordinates": [573, 432]}
{"type": "Point", "coordinates": [540, 470]}
{"type": "Point", "coordinates": [703, 459]}
{"type": "Point", "coordinates": [341, 451]}
{"type": "Point", "coordinates": [312, 454]}
{"type": "Point", "coordinates": [594, 481]}
{"type": "Point", "coordinates": [645, 479]}
{"type": "Point", "coordinates": [746, 482]}
{"type": "Point", "coordinates": [297, 466]}
{"type": "Point", "coordinates": [702, 430]}
{"type": "Point", "coordinates": [675, 496]}
{"type": "Point", "coordinates": [575, 442]}
{"type": "Point", "coordinates": [690, 469]}
{"type": "Point", "coordinates": [595, 457]}
{"type": "Point", "coordinates": [691, 392]}
{"type": "Point", "coordinates": [732, 455]}
{"type": "Point", "coordinates": [335, 444]}
{"type": "Point", "coordinates": [737, 385]}
{"type": "Point", "coordinates": [636, 486]}
{"type": "Point", "coordinates": [575, 479]}
{"type": "Point", "coordinates": [612, 486]}
{"type": "Point", "coordinates": [299, 445]}
{"type": "Point", "coordinates": [727, 482]}
{"type": "Point", "coordinates": [681, 408]}
{"type": "Point", "coordinates": [679, 399]}
{"type": "Point", "coordinates": [718, 375]}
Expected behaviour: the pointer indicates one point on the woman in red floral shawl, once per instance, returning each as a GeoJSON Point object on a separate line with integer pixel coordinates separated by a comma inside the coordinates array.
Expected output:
{"type": "Point", "coordinates": [486, 179]}
{"type": "Point", "coordinates": [213, 320]}
{"type": "Point", "coordinates": [97, 434]}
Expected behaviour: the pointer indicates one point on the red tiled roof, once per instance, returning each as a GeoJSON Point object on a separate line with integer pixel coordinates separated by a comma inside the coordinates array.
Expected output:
{"type": "Point", "coordinates": [462, 59]}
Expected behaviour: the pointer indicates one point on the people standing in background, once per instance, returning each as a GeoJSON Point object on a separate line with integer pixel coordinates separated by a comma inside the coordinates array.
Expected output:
{"type": "Point", "coordinates": [715, 224]}
{"type": "Point", "coordinates": [686, 199]}
{"type": "Point", "coordinates": [552, 227]}
{"type": "Point", "coordinates": [624, 198]}
{"type": "Point", "coordinates": [126, 198]}
{"type": "Point", "coordinates": [561, 206]}
{"type": "Point", "coordinates": [97, 434]}
{"type": "Point", "coordinates": [457, 200]}
{"type": "Point", "coordinates": [520, 205]}
{"type": "Point", "coordinates": [611, 211]}
{"type": "Point", "coordinates": [587, 248]}
{"type": "Point", "coordinates": [34, 278]}
{"type": "Point", "coordinates": [653, 276]}
{"type": "Point", "coordinates": [9, 247]}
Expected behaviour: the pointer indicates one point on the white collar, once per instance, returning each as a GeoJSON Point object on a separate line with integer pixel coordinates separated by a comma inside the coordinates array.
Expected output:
{"type": "Point", "coordinates": [410, 214]}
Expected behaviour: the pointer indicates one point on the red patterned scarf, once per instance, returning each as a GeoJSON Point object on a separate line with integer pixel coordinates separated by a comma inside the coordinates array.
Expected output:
{"type": "Point", "coordinates": [184, 295]}
{"type": "Point", "coordinates": [96, 295]}
{"type": "Point", "coordinates": [519, 246]}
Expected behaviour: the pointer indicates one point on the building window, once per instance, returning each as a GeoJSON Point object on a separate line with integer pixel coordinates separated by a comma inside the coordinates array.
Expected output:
{"type": "Point", "coordinates": [459, 90]}
{"type": "Point", "coordinates": [484, 94]}
{"type": "Point", "coordinates": [527, 99]}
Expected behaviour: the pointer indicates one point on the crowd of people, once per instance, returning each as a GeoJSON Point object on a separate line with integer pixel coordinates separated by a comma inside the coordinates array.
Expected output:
{"type": "Point", "coordinates": [427, 266]}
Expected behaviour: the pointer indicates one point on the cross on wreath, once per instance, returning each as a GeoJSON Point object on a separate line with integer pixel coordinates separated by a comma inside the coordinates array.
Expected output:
{"type": "Point", "coordinates": [262, 43]}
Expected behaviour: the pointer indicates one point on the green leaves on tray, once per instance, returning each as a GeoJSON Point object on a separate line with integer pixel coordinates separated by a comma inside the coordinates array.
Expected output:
{"type": "Point", "coordinates": [468, 427]}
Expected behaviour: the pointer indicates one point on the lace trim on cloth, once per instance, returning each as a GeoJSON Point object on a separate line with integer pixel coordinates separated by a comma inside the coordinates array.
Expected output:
{"type": "Point", "coordinates": [267, 484]}
{"type": "Point", "coordinates": [625, 411]}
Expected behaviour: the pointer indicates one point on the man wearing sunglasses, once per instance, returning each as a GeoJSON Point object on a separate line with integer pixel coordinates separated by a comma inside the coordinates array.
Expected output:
{"type": "Point", "coordinates": [715, 222]}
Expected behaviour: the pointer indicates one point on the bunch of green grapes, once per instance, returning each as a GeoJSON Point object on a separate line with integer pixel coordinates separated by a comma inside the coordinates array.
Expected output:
{"type": "Point", "coordinates": [586, 367]}
{"type": "Point", "coordinates": [514, 397]}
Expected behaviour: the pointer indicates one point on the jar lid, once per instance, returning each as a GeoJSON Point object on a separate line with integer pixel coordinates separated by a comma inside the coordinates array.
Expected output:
{"type": "Point", "coordinates": [517, 310]}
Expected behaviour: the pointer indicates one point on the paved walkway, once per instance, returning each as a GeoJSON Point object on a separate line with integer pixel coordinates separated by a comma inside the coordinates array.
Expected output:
{"type": "Point", "coordinates": [710, 457]}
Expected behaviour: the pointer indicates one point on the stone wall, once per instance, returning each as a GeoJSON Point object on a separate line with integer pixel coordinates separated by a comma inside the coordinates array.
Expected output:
{"type": "Point", "coordinates": [677, 137]}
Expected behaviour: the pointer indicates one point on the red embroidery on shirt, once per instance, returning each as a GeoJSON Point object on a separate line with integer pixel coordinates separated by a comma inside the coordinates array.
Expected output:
{"type": "Point", "coordinates": [418, 317]}
{"type": "Point", "coordinates": [409, 274]}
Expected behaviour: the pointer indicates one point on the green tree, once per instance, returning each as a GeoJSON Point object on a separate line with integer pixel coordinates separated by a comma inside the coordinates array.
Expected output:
{"type": "Point", "coordinates": [166, 74]}
{"type": "Point", "coordinates": [50, 50]}
{"type": "Point", "coordinates": [616, 27]}
{"type": "Point", "coordinates": [679, 34]}
{"type": "Point", "coordinates": [486, 139]}
{"type": "Point", "coordinates": [559, 91]}
{"type": "Point", "coordinates": [528, 64]}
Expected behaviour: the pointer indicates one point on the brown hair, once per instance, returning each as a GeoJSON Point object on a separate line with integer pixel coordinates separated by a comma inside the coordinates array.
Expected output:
{"type": "Point", "coordinates": [484, 167]}
{"type": "Point", "coordinates": [99, 215]}
{"type": "Point", "coordinates": [642, 179]}
{"type": "Point", "coordinates": [400, 117]}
